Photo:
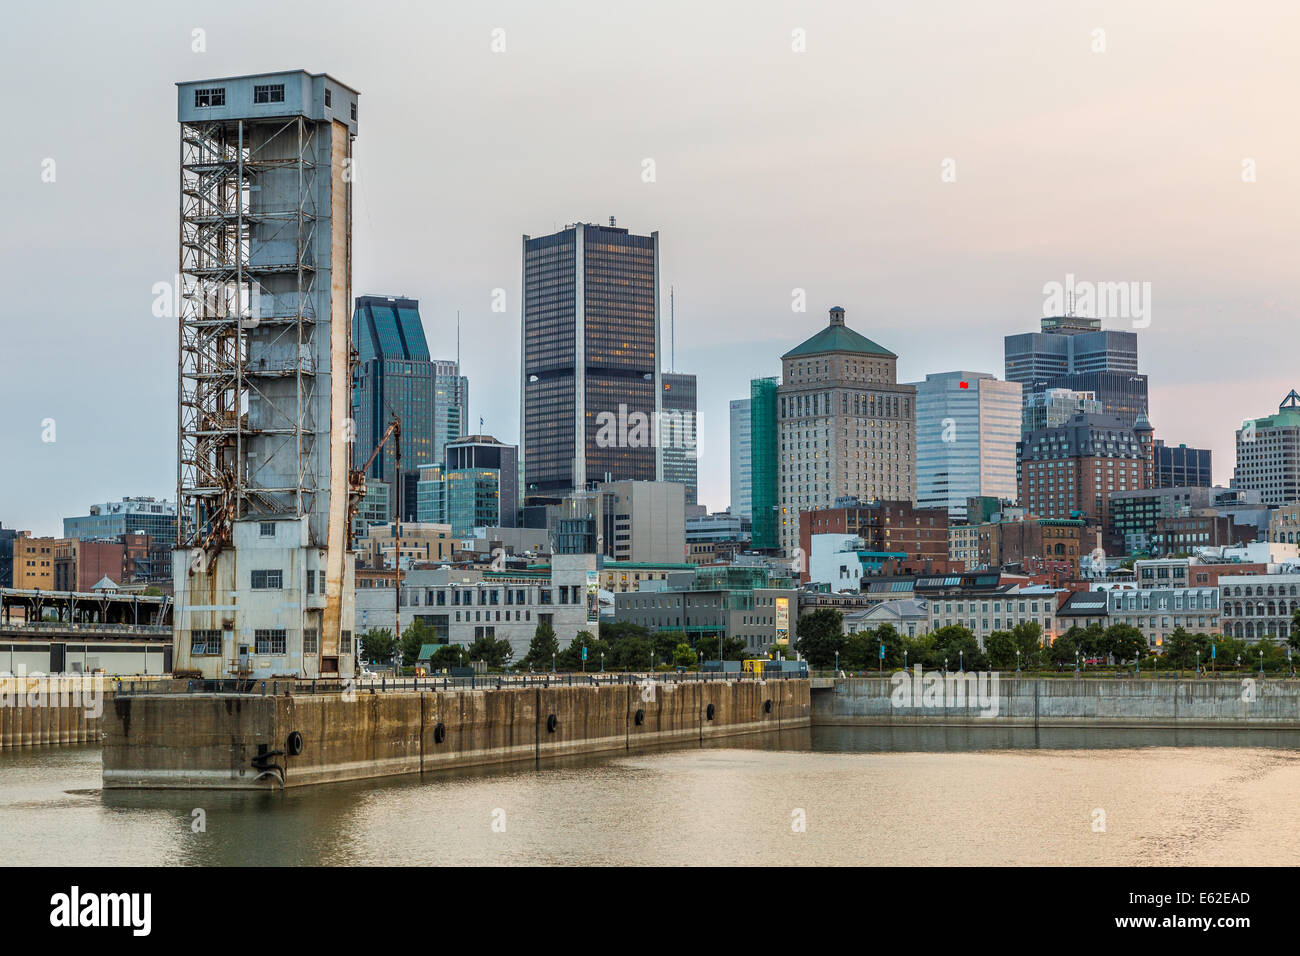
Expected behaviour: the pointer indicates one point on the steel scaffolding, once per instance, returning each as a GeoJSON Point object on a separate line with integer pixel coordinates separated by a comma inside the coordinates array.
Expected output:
{"type": "Point", "coordinates": [240, 309]}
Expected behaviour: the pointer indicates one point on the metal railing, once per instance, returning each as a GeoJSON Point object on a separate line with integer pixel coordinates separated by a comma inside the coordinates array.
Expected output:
{"type": "Point", "coordinates": [61, 627]}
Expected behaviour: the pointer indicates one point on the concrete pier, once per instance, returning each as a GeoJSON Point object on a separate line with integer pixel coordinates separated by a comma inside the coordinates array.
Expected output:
{"type": "Point", "coordinates": [229, 741]}
{"type": "Point", "coordinates": [1240, 701]}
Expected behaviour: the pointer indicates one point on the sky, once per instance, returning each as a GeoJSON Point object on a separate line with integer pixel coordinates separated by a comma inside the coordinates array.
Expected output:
{"type": "Point", "coordinates": [930, 166]}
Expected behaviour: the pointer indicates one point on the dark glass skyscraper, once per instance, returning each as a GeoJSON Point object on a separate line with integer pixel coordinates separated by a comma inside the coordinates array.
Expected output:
{"type": "Point", "coordinates": [1075, 352]}
{"type": "Point", "coordinates": [396, 376]}
{"type": "Point", "coordinates": [589, 359]}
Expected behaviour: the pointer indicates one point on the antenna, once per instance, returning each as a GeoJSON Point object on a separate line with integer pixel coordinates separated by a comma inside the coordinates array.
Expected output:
{"type": "Point", "coordinates": [458, 341]}
{"type": "Point", "coordinates": [672, 328]}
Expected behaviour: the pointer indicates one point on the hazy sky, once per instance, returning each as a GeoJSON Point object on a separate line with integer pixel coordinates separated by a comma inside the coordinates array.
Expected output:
{"type": "Point", "coordinates": [774, 170]}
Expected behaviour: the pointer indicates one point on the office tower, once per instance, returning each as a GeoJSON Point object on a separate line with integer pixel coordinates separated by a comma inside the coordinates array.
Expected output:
{"type": "Point", "coordinates": [1072, 470]}
{"type": "Point", "coordinates": [1178, 466]}
{"type": "Point", "coordinates": [1056, 406]}
{"type": "Point", "coordinates": [477, 487]}
{"type": "Point", "coordinates": [678, 434]}
{"type": "Point", "coordinates": [641, 521]}
{"type": "Point", "coordinates": [846, 425]}
{"type": "Point", "coordinates": [967, 427]}
{"type": "Point", "coordinates": [450, 407]}
{"type": "Point", "coordinates": [112, 519]}
{"type": "Point", "coordinates": [739, 458]}
{"type": "Point", "coordinates": [765, 463]}
{"type": "Point", "coordinates": [263, 576]}
{"type": "Point", "coordinates": [589, 359]}
{"type": "Point", "coordinates": [1074, 352]}
{"type": "Point", "coordinates": [396, 377]}
{"type": "Point", "coordinates": [1268, 454]}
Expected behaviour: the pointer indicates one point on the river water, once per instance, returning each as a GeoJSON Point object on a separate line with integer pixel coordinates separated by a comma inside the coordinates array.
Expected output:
{"type": "Point", "coordinates": [908, 796]}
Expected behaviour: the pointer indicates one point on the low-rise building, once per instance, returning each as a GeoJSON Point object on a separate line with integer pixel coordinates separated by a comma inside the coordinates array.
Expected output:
{"type": "Point", "coordinates": [1156, 612]}
{"type": "Point", "coordinates": [909, 618]}
{"type": "Point", "coordinates": [416, 542]}
{"type": "Point", "coordinates": [464, 604]}
{"type": "Point", "coordinates": [1259, 606]}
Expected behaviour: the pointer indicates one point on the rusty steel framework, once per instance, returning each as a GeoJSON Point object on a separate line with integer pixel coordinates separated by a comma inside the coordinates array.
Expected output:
{"type": "Point", "coordinates": [237, 307]}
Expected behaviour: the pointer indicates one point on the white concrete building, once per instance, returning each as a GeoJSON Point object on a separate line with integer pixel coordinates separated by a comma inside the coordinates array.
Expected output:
{"type": "Point", "coordinates": [967, 427]}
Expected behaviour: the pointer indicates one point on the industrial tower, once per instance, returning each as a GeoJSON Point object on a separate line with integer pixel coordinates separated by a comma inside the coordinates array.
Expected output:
{"type": "Point", "coordinates": [263, 575]}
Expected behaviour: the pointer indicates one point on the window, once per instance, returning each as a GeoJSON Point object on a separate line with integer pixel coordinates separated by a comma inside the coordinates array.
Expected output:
{"type": "Point", "coordinates": [266, 529]}
{"type": "Point", "coordinates": [345, 642]}
{"type": "Point", "coordinates": [311, 641]}
{"type": "Point", "coordinates": [329, 100]}
{"type": "Point", "coordinates": [322, 581]}
{"type": "Point", "coordinates": [268, 580]}
{"type": "Point", "coordinates": [354, 110]}
{"type": "Point", "coordinates": [269, 640]}
{"type": "Point", "coordinates": [205, 642]}
{"type": "Point", "coordinates": [311, 583]}
{"type": "Point", "coordinates": [210, 96]}
{"type": "Point", "coordinates": [270, 93]}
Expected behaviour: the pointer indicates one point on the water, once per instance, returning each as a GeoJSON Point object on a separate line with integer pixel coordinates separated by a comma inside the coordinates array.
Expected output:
{"type": "Point", "coordinates": [910, 796]}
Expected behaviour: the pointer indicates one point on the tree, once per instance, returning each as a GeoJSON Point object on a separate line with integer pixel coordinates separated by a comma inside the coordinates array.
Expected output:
{"type": "Point", "coordinates": [665, 643]}
{"type": "Point", "coordinates": [1001, 649]}
{"type": "Point", "coordinates": [543, 648]}
{"type": "Point", "coordinates": [1124, 642]}
{"type": "Point", "coordinates": [417, 635]}
{"type": "Point", "coordinates": [821, 636]}
{"type": "Point", "coordinates": [493, 652]}
{"type": "Point", "coordinates": [1028, 638]}
{"type": "Point", "coordinates": [448, 655]}
{"type": "Point", "coordinates": [377, 646]}
{"type": "Point", "coordinates": [571, 657]}
{"type": "Point", "coordinates": [1064, 649]}
{"type": "Point", "coordinates": [1180, 649]}
{"type": "Point", "coordinates": [683, 656]}
{"type": "Point", "coordinates": [1294, 638]}
{"type": "Point", "coordinates": [958, 647]}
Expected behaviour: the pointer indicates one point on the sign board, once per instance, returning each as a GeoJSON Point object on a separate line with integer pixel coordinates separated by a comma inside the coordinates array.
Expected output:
{"type": "Point", "coordinates": [584, 652]}
{"type": "Point", "coordinates": [593, 597]}
{"type": "Point", "coordinates": [782, 619]}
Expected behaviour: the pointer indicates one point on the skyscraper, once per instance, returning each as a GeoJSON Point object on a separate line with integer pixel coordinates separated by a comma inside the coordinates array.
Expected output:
{"type": "Point", "coordinates": [1268, 454]}
{"type": "Point", "coordinates": [847, 426]}
{"type": "Point", "coordinates": [1178, 466]}
{"type": "Point", "coordinates": [740, 463]}
{"type": "Point", "coordinates": [967, 427]}
{"type": "Point", "coordinates": [396, 376]}
{"type": "Point", "coordinates": [765, 462]}
{"type": "Point", "coordinates": [591, 391]}
{"type": "Point", "coordinates": [678, 433]}
{"type": "Point", "coordinates": [263, 572]}
{"type": "Point", "coordinates": [1075, 352]}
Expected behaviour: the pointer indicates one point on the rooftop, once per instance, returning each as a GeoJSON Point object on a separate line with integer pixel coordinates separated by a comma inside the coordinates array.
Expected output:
{"type": "Point", "coordinates": [837, 337]}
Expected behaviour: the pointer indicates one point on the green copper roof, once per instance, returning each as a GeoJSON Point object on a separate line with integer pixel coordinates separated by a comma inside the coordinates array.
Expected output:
{"type": "Point", "coordinates": [837, 338]}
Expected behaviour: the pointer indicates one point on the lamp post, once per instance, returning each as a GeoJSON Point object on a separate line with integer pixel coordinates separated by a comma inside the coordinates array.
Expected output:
{"type": "Point", "coordinates": [1076, 662]}
{"type": "Point", "coordinates": [945, 667]}
{"type": "Point", "coordinates": [602, 662]}
{"type": "Point", "coordinates": [1198, 663]}
{"type": "Point", "coordinates": [1017, 662]}
{"type": "Point", "coordinates": [961, 662]}
{"type": "Point", "coordinates": [552, 662]}
{"type": "Point", "coordinates": [905, 660]}
{"type": "Point", "coordinates": [1261, 663]}
{"type": "Point", "coordinates": [837, 663]}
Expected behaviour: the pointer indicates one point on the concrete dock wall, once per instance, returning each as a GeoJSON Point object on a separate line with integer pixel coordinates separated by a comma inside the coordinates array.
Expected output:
{"type": "Point", "coordinates": [241, 742]}
{"type": "Point", "coordinates": [1066, 702]}
{"type": "Point", "coordinates": [45, 711]}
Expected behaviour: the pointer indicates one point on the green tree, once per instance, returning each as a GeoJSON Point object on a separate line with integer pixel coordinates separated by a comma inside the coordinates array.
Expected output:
{"type": "Point", "coordinates": [1181, 647]}
{"type": "Point", "coordinates": [571, 657]}
{"type": "Point", "coordinates": [1124, 642]}
{"type": "Point", "coordinates": [448, 655]}
{"type": "Point", "coordinates": [1028, 638]}
{"type": "Point", "coordinates": [1064, 649]}
{"type": "Point", "coordinates": [859, 651]}
{"type": "Point", "coordinates": [1001, 649]}
{"type": "Point", "coordinates": [684, 656]}
{"type": "Point", "coordinates": [665, 643]}
{"type": "Point", "coordinates": [416, 636]}
{"type": "Point", "coordinates": [821, 636]}
{"type": "Point", "coordinates": [377, 646]}
{"type": "Point", "coordinates": [493, 652]}
{"type": "Point", "coordinates": [958, 647]}
{"type": "Point", "coordinates": [542, 649]}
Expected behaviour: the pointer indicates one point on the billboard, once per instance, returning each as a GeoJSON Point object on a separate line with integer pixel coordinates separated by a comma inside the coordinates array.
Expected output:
{"type": "Point", "coordinates": [782, 619]}
{"type": "Point", "coordinates": [593, 597]}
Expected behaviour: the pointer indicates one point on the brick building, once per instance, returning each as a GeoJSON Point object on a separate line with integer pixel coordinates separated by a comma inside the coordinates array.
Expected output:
{"type": "Point", "coordinates": [1071, 471]}
{"type": "Point", "coordinates": [896, 527]}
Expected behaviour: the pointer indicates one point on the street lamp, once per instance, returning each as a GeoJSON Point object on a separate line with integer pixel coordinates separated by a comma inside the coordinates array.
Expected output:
{"type": "Point", "coordinates": [945, 667]}
{"type": "Point", "coordinates": [1198, 663]}
{"type": "Point", "coordinates": [1017, 662]}
{"type": "Point", "coordinates": [1261, 662]}
{"type": "Point", "coordinates": [552, 662]}
{"type": "Point", "coordinates": [837, 663]}
{"type": "Point", "coordinates": [905, 660]}
{"type": "Point", "coordinates": [1076, 662]}
{"type": "Point", "coordinates": [602, 662]}
{"type": "Point", "coordinates": [961, 662]}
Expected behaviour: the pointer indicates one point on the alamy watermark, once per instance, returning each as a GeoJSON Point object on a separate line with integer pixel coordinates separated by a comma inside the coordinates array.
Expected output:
{"type": "Point", "coordinates": [661, 429]}
{"type": "Point", "coordinates": [1130, 301]}
{"type": "Point", "coordinates": [36, 690]}
{"type": "Point", "coordinates": [936, 689]}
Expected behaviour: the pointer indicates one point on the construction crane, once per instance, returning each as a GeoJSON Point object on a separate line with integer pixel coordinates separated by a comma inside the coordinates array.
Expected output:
{"type": "Point", "coordinates": [358, 491]}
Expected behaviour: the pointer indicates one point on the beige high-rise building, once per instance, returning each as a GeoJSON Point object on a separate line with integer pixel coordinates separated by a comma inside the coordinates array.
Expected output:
{"type": "Point", "coordinates": [846, 427]}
